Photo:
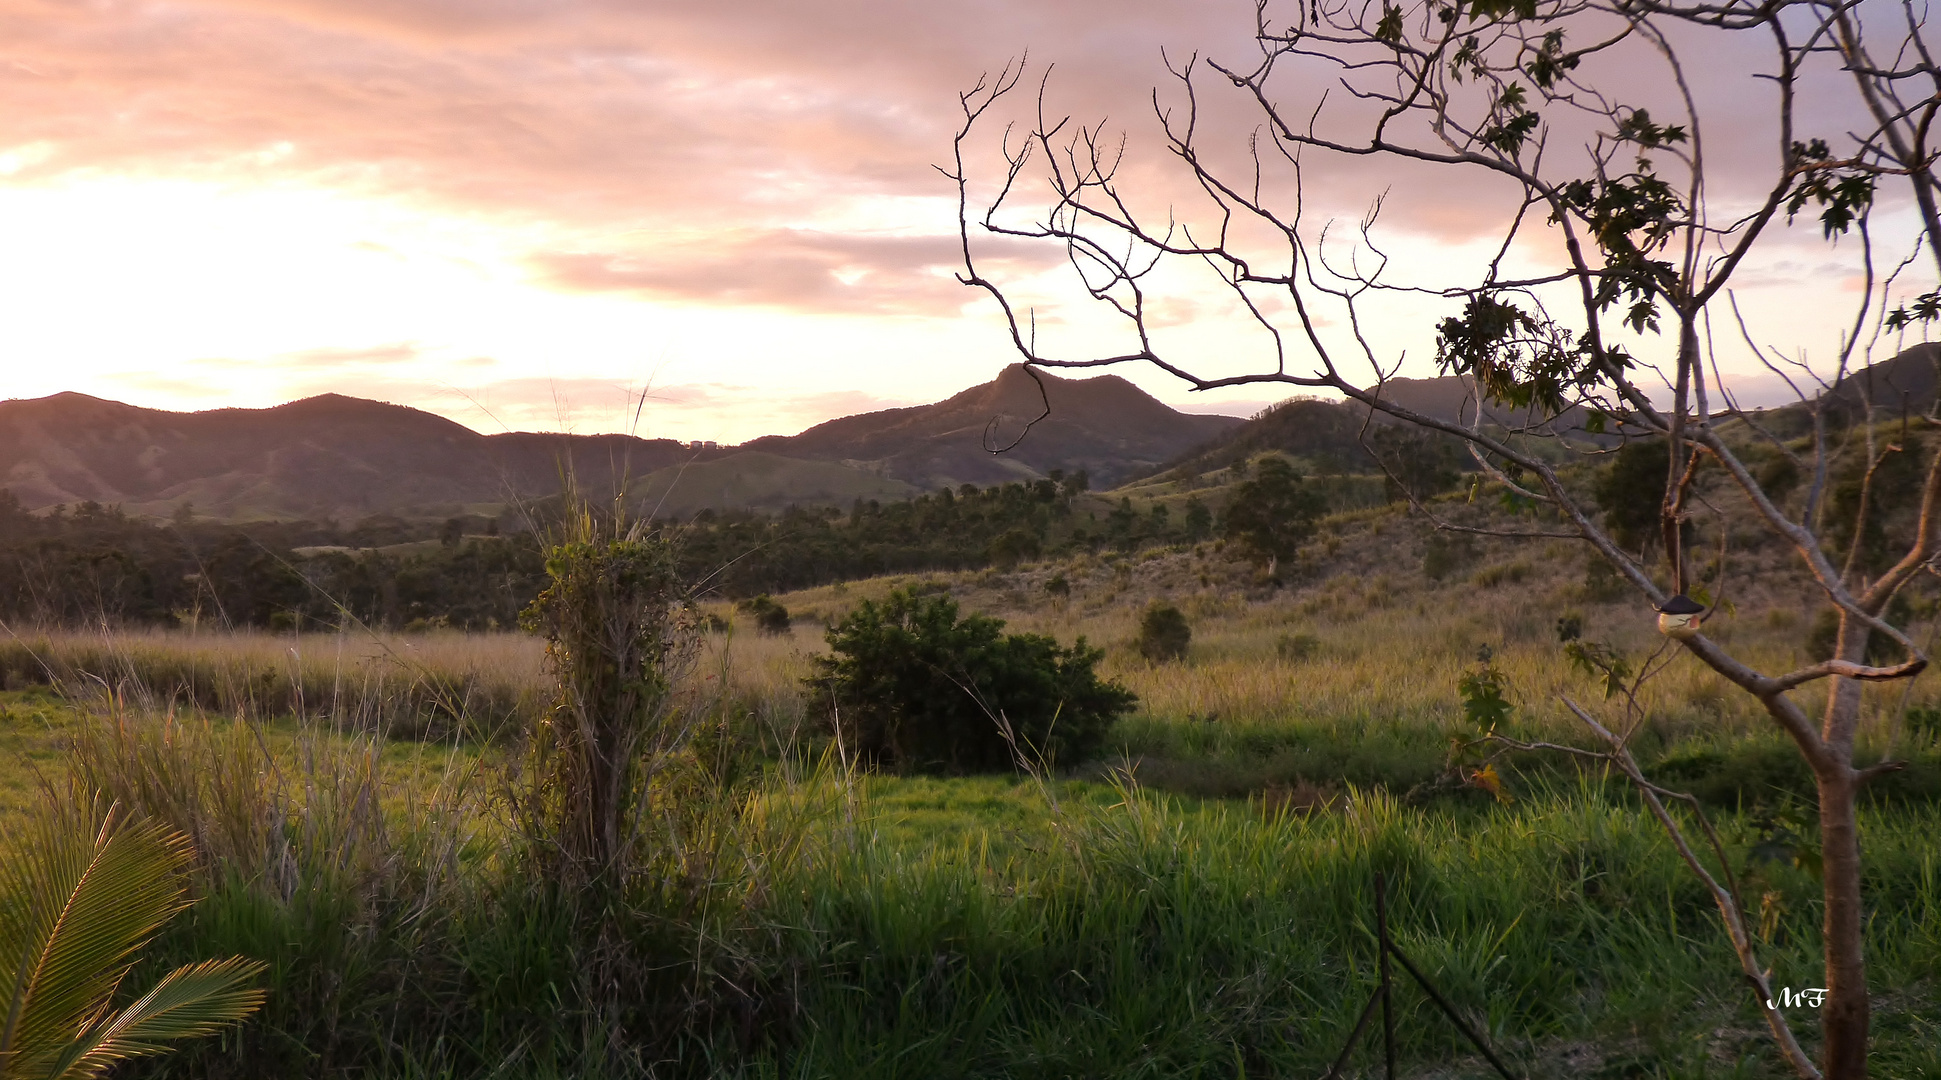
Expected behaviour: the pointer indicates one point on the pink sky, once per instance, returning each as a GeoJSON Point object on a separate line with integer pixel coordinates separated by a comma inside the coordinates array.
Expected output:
{"type": "Point", "coordinates": [563, 213]}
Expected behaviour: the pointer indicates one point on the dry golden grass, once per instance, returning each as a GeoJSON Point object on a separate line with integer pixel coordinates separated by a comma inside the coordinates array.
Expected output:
{"type": "Point", "coordinates": [406, 684]}
{"type": "Point", "coordinates": [1358, 640]}
{"type": "Point", "coordinates": [1384, 644]}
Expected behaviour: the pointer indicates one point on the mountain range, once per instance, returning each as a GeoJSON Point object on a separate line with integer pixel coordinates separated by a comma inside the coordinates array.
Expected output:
{"type": "Point", "coordinates": [343, 457]}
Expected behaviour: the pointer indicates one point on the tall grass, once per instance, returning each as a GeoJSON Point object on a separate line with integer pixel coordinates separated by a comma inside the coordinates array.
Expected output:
{"type": "Point", "coordinates": [1351, 677]}
{"type": "Point", "coordinates": [829, 926]}
{"type": "Point", "coordinates": [408, 686]}
{"type": "Point", "coordinates": [1151, 937]}
{"type": "Point", "coordinates": [800, 921]}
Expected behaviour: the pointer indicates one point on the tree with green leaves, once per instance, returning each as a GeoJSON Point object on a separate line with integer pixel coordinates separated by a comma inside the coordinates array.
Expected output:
{"type": "Point", "coordinates": [1273, 514]}
{"type": "Point", "coordinates": [1625, 204]}
{"type": "Point", "coordinates": [82, 894]}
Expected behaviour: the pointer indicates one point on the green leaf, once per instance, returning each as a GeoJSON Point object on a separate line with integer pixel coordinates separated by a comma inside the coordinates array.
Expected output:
{"type": "Point", "coordinates": [191, 1001]}
{"type": "Point", "coordinates": [1389, 29]}
{"type": "Point", "coordinates": [80, 896]}
{"type": "Point", "coordinates": [81, 903]}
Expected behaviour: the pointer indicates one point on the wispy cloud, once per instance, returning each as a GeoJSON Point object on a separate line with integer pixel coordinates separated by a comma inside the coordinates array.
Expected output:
{"type": "Point", "coordinates": [802, 269]}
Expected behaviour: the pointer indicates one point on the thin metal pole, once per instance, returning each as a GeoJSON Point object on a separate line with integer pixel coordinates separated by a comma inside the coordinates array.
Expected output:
{"type": "Point", "coordinates": [1388, 1017]}
{"type": "Point", "coordinates": [1450, 1011]}
{"type": "Point", "coordinates": [1361, 1025]}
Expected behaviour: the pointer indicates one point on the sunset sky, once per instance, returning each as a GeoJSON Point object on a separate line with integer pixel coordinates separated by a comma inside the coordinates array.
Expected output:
{"type": "Point", "coordinates": [543, 214]}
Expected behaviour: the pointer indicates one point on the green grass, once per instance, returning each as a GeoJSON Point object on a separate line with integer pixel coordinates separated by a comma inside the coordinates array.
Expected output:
{"type": "Point", "coordinates": [983, 927]}
{"type": "Point", "coordinates": [1204, 925]}
{"type": "Point", "coordinates": [32, 750]}
{"type": "Point", "coordinates": [1167, 939]}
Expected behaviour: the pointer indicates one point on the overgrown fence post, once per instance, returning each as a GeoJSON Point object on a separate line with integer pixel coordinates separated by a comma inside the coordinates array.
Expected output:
{"type": "Point", "coordinates": [1383, 996]}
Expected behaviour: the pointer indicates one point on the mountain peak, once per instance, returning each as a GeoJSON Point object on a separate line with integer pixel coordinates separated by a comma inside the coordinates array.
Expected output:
{"type": "Point", "coordinates": [1103, 424]}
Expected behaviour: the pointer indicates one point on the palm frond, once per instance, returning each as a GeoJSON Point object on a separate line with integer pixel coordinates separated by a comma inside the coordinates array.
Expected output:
{"type": "Point", "coordinates": [199, 999]}
{"type": "Point", "coordinates": [83, 903]}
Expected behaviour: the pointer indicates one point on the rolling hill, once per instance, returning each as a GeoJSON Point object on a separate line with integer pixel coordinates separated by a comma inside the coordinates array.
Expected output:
{"type": "Point", "coordinates": [1104, 425]}
{"type": "Point", "coordinates": [1328, 433]}
{"type": "Point", "coordinates": [328, 456]}
{"type": "Point", "coordinates": [754, 480]}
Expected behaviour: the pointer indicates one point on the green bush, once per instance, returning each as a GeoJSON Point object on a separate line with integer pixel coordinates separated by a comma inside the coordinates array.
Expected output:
{"type": "Point", "coordinates": [912, 686]}
{"type": "Point", "coordinates": [1163, 633]}
{"type": "Point", "coordinates": [770, 617]}
{"type": "Point", "coordinates": [1013, 547]}
{"type": "Point", "coordinates": [1297, 647]}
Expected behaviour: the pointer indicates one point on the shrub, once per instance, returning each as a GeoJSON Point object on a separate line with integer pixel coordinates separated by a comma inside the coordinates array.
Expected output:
{"type": "Point", "coordinates": [1924, 722]}
{"type": "Point", "coordinates": [770, 617]}
{"type": "Point", "coordinates": [1163, 633]}
{"type": "Point", "coordinates": [1509, 573]}
{"type": "Point", "coordinates": [1602, 583]}
{"type": "Point", "coordinates": [619, 633]}
{"type": "Point", "coordinates": [1297, 647]}
{"type": "Point", "coordinates": [1881, 649]}
{"type": "Point", "coordinates": [914, 687]}
{"type": "Point", "coordinates": [1443, 554]}
{"type": "Point", "coordinates": [1013, 547]}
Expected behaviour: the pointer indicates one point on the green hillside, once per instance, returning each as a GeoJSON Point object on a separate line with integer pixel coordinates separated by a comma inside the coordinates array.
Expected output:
{"type": "Point", "coordinates": [758, 481]}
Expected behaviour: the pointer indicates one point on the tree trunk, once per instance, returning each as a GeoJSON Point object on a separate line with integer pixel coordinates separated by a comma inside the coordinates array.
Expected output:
{"type": "Point", "coordinates": [1845, 1020]}
{"type": "Point", "coordinates": [1846, 1015]}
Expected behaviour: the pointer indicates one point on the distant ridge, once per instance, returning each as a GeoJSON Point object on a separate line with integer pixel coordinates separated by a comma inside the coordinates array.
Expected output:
{"type": "Point", "coordinates": [346, 458]}
{"type": "Point", "coordinates": [1328, 433]}
{"type": "Point", "coordinates": [1905, 383]}
{"type": "Point", "coordinates": [1105, 425]}
{"type": "Point", "coordinates": [323, 456]}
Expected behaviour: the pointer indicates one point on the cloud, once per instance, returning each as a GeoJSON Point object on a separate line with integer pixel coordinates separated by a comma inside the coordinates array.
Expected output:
{"type": "Point", "coordinates": [692, 156]}
{"type": "Point", "coordinates": [335, 359]}
{"type": "Point", "coordinates": [1244, 407]}
{"type": "Point", "coordinates": [806, 270]}
{"type": "Point", "coordinates": [722, 412]}
{"type": "Point", "coordinates": [599, 116]}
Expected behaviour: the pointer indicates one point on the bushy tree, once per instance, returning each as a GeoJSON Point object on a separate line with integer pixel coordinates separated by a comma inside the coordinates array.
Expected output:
{"type": "Point", "coordinates": [1628, 490]}
{"type": "Point", "coordinates": [769, 615]}
{"type": "Point", "coordinates": [619, 633]}
{"type": "Point", "coordinates": [1164, 633]}
{"type": "Point", "coordinates": [910, 685]}
{"type": "Point", "coordinates": [1272, 514]}
{"type": "Point", "coordinates": [1014, 546]}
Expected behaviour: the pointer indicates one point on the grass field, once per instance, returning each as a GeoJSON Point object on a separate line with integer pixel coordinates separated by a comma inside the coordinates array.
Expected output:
{"type": "Point", "coordinates": [1197, 903]}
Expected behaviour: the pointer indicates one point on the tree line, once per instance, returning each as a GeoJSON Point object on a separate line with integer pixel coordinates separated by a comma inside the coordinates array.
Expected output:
{"type": "Point", "coordinates": [93, 563]}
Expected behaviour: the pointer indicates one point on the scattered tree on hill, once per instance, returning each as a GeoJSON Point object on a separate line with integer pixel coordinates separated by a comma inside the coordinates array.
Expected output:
{"type": "Point", "coordinates": [1014, 546]}
{"type": "Point", "coordinates": [1199, 520]}
{"type": "Point", "coordinates": [1416, 464]}
{"type": "Point", "coordinates": [1629, 491]}
{"type": "Point", "coordinates": [1273, 514]}
{"type": "Point", "coordinates": [1577, 120]}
